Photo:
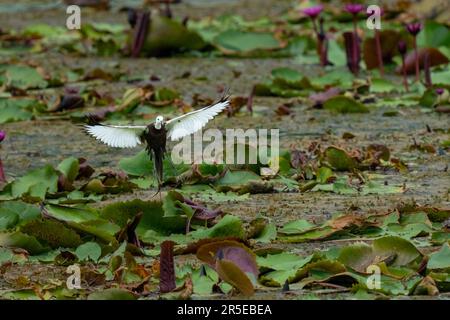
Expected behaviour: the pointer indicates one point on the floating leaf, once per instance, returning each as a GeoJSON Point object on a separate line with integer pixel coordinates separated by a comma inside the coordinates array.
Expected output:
{"type": "Point", "coordinates": [382, 86]}
{"type": "Point", "coordinates": [244, 42]}
{"type": "Point", "coordinates": [18, 109]}
{"type": "Point", "coordinates": [357, 256]}
{"type": "Point", "coordinates": [427, 286]}
{"type": "Point", "coordinates": [36, 183]}
{"type": "Point", "coordinates": [440, 259]}
{"type": "Point", "coordinates": [228, 226]}
{"type": "Point", "coordinates": [112, 294]}
{"type": "Point", "coordinates": [236, 178]}
{"type": "Point", "coordinates": [21, 240]}
{"type": "Point", "coordinates": [53, 233]}
{"type": "Point", "coordinates": [283, 261]}
{"type": "Point", "coordinates": [89, 251]}
{"type": "Point", "coordinates": [85, 221]}
{"type": "Point", "coordinates": [342, 104]}
{"type": "Point", "coordinates": [16, 212]}
{"type": "Point", "coordinates": [208, 252]}
{"type": "Point", "coordinates": [405, 252]}
{"type": "Point", "coordinates": [138, 165]}
{"type": "Point", "coordinates": [297, 226]}
{"type": "Point", "coordinates": [166, 36]}
{"type": "Point", "coordinates": [339, 159]}
{"type": "Point", "coordinates": [267, 234]}
{"type": "Point", "coordinates": [231, 273]}
{"type": "Point", "coordinates": [69, 167]}
{"type": "Point", "coordinates": [23, 77]}
{"type": "Point", "coordinates": [434, 34]}
{"type": "Point", "coordinates": [141, 165]}
{"type": "Point", "coordinates": [152, 219]}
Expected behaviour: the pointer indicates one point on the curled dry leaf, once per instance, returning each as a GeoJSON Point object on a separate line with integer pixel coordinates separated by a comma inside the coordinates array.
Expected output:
{"type": "Point", "coordinates": [207, 252]}
{"type": "Point", "coordinates": [232, 274]}
{"type": "Point", "coordinates": [233, 261]}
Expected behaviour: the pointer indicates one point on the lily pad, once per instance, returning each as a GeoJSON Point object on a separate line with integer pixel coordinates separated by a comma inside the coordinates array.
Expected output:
{"type": "Point", "coordinates": [342, 104]}
{"type": "Point", "coordinates": [339, 159]}
{"type": "Point", "coordinates": [241, 41]}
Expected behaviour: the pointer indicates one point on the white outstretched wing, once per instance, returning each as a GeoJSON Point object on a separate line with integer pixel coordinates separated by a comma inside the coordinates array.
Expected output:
{"type": "Point", "coordinates": [116, 136]}
{"type": "Point", "coordinates": [191, 122]}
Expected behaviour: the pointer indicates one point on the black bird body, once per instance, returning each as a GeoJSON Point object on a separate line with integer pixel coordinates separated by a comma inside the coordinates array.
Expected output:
{"type": "Point", "coordinates": [156, 140]}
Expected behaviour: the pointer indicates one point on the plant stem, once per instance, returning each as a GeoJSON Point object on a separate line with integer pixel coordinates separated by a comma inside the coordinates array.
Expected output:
{"type": "Point", "coordinates": [319, 42]}
{"type": "Point", "coordinates": [2, 173]}
{"type": "Point", "coordinates": [416, 54]}
{"type": "Point", "coordinates": [405, 78]}
{"type": "Point", "coordinates": [379, 52]}
{"type": "Point", "coordinates": [323, 44]}
{"type": "Point", "coordinates": [355, 47]}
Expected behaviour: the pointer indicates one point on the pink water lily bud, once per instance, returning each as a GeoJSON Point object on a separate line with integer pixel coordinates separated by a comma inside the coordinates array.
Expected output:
{"type": "Point", "coordinates": [2, 135]}
{"type": "Point", "coordinates": [414, 28]}
{"type": "Point", "coordinates": [354, 8]}
{"type": "Point", "coordinates": [439, 91]}
{"type": "Point", "coordinates": [313, 11]}
{"type": "Point", "coordinates": [402, 48]}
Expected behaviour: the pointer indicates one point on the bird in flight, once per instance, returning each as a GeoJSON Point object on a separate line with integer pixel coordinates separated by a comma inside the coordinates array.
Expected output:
{"type": "Point", "coordinates": [155, 135]}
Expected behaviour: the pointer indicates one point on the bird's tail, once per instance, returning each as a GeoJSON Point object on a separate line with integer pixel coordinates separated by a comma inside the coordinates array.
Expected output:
{"type": "Point", "coordinates": [158, 157]}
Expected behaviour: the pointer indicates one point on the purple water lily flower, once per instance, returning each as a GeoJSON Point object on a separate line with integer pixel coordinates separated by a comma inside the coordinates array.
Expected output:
{"type": "Point", "coordinates": [354, 8]}
{"type": "Point", "coordinates": [439, 91]}
{"type": "Point", "coordinates": [354, 56]}
{"type": "Point", "coordinates": [313, 11]}
{"type": "Point", "coordinates": [414, 28]}
{"type": "Point", "coordinates": [2, 135]}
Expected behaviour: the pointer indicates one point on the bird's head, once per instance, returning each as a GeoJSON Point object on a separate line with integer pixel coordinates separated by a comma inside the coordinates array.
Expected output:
{"type": "Point", "coordinates": [159, 122]}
